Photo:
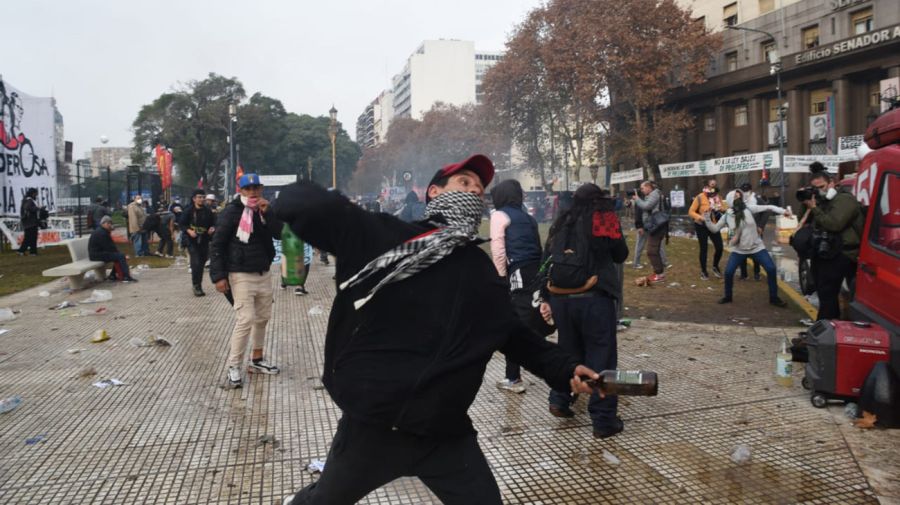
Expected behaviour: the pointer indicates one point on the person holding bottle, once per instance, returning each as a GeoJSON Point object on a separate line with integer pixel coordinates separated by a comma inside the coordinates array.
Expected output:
{"type": "Point", "coordinates": [241, 255]}
{"type": "Point", "coordinates": [419, 313]}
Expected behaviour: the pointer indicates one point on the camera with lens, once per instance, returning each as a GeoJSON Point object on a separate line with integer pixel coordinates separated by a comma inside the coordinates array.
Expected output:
{"type": "Point", "coordinates": [826, 245]}
{"type": "Point", "coordinates": [807, 193]}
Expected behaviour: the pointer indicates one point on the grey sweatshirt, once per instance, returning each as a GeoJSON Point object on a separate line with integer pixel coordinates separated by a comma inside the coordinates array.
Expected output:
{"type": "Point", "coordinates": [747, 236]}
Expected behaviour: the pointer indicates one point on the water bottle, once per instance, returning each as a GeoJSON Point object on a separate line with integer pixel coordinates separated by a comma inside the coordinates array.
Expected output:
{"type": "Point", "coordinates": [292, 271]}
{"type": "Point", "coordinates": [625, 382]}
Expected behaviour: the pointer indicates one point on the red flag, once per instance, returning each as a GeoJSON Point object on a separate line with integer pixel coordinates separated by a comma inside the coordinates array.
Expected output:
{"type": "Point", "coordinates": [238, 173]}
{"type": "Point", "coordinates": [164, 165]}
{"type": "Point", "coordinates": [168, 169]}
{"type": "Point", "coordinates": [200, 183]}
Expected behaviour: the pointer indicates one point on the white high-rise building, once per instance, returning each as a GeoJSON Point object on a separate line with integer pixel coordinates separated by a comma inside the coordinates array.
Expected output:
{"type": "Point", "coordinates": [446, 71]}
{"type": "Point", "coordinates": [372, 125]}
{"type": "Point", "coordinates": [483, 61]}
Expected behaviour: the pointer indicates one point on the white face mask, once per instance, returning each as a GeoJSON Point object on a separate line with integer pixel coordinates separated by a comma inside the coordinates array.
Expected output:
{"type": "Point", "coordinates": [828, 195]}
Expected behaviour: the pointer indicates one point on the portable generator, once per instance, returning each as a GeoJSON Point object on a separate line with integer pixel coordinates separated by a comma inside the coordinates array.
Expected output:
{"type": "Point", "coordinates": [841, 355]}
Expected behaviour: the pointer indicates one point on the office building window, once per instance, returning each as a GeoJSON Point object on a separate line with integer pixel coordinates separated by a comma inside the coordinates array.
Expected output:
{"type": "Point", "coordinates": [817, 101]}
{"type": "Point", "coordinates": [874, 95]}
{"type": "Point", "coordinates": [731, 61]}
{"type": "Point", "coordinates": [768, 51]}
{"type": "Point", "coordinates": [730, 14]}
{"type": "Point", "coordinates": [740, 115]}
{"type": "Point", "coordinates": [709, 122]}
{"type": "Point", "coordinates": [810, 37]}
{"type": "Point", "coordinates": [861, 21]}
{"type": "Point", "coordinates": [773, 109]}
{"type": "Point", "coordinates": [766, 6]}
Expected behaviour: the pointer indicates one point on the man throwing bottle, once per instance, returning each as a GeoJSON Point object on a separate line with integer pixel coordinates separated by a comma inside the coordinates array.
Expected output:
{"type": "Point", "coordinates": [419, 312]}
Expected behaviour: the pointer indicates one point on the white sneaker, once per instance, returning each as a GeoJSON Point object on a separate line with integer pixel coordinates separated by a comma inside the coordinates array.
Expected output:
{"type": "Point", "coordinates": [234, 378]}
{"type": "Point", "coordinates": [621, 327]}
{"type": "Point", "coordinates": [511, 386]}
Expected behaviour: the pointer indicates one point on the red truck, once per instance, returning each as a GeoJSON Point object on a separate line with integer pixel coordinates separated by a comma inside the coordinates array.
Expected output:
{"type": "Point", "coordinates": [877, 186]}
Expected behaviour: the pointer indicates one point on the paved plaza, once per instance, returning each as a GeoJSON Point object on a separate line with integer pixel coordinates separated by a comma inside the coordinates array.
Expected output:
{"type": "Point", "coordinates": [173, 435]}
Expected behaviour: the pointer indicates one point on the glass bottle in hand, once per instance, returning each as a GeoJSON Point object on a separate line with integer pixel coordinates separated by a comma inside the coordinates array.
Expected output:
{"type": "Point", "coordinates": [625, 382]}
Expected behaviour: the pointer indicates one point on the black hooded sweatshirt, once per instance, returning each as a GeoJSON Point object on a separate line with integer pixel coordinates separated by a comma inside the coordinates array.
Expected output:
{"type": "Point", "coordinates": [412, 358]}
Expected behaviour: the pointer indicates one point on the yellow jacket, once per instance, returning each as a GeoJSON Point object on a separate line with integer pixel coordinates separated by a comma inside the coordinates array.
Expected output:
{"type": "Point", "coordinates": [702, 204]}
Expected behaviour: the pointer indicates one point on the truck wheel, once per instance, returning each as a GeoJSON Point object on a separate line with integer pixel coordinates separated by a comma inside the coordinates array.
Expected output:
{"type": "Point", "coordinates": [818, 400]}
{"type": "Point", "coordinates": [805, 383]}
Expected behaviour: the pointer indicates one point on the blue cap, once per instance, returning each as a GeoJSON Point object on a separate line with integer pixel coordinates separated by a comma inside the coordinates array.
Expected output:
{"type": "Point", "coordinates": [249, 180]}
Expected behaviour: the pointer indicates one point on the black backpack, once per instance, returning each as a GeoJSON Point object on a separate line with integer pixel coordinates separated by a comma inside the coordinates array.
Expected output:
{"type": "Point", "coordinates": [570, 261]}
{"type": "Point", "coordinates": [43, 218]}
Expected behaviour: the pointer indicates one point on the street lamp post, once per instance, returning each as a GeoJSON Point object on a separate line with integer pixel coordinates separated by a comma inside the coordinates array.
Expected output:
{"type": "Point", "coordinates": [232, 118]}
{"type": "Point", "coordinates": [332, 133]}
{"type": "Point", "coordinates": [78, 192]}
{"type": "Point", "coordinates": [775, 68]}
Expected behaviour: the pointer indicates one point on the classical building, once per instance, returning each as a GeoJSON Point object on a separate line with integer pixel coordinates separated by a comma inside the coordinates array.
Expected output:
{"type": "Point", "coordinates": [116, 158]}
{"type": "Point", "coordinates": [838, 59]}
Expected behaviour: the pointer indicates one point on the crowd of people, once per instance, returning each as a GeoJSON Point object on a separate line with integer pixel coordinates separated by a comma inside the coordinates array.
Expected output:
{"type": "Point", "coordinates": [420, 309]}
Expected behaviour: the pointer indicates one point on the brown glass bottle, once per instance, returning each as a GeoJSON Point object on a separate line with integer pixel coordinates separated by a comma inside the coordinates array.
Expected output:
{"type": "Point", "coordinates": [625, 382]}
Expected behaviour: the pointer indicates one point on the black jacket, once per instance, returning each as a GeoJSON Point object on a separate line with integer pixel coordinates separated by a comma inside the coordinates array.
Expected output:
{"type": "Point", "coordinates": [228, 254]}
{"type": "Point", "coordinates": [100, 244]}
{"type": "Point", "coordinates": [200, 220]}
{"type": "Point", "coordinates": [414, 356]}
{"type": "Point", "coordinates": [28, 213]}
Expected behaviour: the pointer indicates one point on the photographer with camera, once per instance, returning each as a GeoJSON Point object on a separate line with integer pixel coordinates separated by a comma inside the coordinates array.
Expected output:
{"type": "Point", "coordinates": [837, 229]}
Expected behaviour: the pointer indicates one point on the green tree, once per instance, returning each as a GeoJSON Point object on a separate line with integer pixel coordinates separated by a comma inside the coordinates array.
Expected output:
{"type": "Point", "coordinates": [193, 122]}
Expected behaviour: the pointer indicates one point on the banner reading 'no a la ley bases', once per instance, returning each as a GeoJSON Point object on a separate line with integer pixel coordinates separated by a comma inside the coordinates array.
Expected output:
{"type": "Point", "coordinates": [27, 149]}
{"type": "Point", "coordinates": [717, 166]}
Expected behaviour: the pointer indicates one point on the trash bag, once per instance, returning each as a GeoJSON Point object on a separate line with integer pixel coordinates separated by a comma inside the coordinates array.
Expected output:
{"type": "Point", "coordinates": [880, 395]}
{"type": "Point", "coordinates": [98, 295]}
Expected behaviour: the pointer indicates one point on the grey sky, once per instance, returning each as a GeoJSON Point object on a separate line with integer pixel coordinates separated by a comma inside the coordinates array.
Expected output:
{"type": "Point", "coordinates": [103, 60]}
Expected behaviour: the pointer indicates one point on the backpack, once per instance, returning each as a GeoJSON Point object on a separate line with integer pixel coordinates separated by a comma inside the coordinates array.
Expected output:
{"type": "Point", "coordinates": [570, 269]}
{"type": "Point", "coordinates": [659, 218]}
{"type": "Point", "coordinates": [43, 218]}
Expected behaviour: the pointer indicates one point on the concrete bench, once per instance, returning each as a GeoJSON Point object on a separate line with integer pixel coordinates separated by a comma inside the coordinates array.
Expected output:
{"type": "Point", "coordinates": [80, 265]}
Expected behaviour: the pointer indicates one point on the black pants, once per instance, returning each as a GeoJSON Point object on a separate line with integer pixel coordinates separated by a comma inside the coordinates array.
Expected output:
{"type": "Point", "coordinates": [199, 252]}
{"type": "Point", "coordinates": [704, 236]}
{"type": "Point", "coordinates": [654, 242]}
{"type": "Point", "coordinates": [829, 275]}
{"type": "Point", "coordinates": [120, 265]}
{"type": "Point", "coordinates": [363, 458]}
{"type": "Point", "coordinates": [29, 242]}
{"type": "Point", "coordinates": [166, 246]}
{"type": "Point", "coordinates": [587, 331]}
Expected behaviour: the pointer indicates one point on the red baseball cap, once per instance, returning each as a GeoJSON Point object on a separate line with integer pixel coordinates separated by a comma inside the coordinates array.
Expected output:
{"type": "Point", "coordinates": [480, 164]}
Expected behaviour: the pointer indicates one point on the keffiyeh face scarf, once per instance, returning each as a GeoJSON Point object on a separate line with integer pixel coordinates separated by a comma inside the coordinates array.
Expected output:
{"type": "Point", "coordinates": [462, 212]}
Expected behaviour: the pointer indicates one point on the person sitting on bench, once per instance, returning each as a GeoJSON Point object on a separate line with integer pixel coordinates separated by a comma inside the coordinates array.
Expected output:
{"type": "Point", "coordinates": [102, 248]}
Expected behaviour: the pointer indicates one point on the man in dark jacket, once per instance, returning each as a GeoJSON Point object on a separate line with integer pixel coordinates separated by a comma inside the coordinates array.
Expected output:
{"type": "Point", "coordinates": [102, 248]}
{"type": "Point", "coordinates": [240, 256]}
{"type": "Point", "coordinates": [198, 222]}
{"type": "Point", "coordinates": [838, 223]}
{"type": "Point", "coordinates": [419, 313]}
{"type": "Point", "coordinates": [28, 213]}
{"type": "Point", "coordinates": [96, 212]}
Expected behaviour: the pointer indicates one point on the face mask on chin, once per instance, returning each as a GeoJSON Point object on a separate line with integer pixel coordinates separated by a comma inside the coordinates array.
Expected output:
{"type": "Point", "coordinates": [828, 194]}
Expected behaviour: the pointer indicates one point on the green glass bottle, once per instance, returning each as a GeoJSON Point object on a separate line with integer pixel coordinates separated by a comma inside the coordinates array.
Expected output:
{"type": "Point", "coordinates": [292, 271]}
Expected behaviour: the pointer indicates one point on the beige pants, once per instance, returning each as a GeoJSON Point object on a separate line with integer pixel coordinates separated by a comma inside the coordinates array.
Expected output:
{"type": "Point", "coordinates": [253, 308]}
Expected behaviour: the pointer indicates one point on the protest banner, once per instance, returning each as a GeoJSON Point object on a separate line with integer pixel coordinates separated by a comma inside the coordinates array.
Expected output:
{"type": "Point", "coordinates": [799, 164]}
{"type": "Point", "coordinates": [59, 230]}
{"type": "Point", "coordinates": [624, 176]}
{"type": "Point", "coordinates": [717, 166]}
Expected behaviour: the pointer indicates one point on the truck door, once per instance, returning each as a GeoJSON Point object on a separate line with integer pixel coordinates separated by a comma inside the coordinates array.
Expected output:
{"type": "Point", "coordinates": [878, 276]}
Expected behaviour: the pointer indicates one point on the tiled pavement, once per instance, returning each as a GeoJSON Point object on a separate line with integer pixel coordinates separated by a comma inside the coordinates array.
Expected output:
{"type": "Point", "coordinates": [173, 435]}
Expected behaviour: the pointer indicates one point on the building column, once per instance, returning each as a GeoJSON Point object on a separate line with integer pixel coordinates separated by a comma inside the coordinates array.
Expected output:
{"type": "Point", "coordinates": [722, 126]}
{"type": "Point", "coordinates": [758, 138]}
{"type": "Point", "coordinates": [840, 89]}
{"type": "Point", "coordinates": [893, 71]}
{"type": "Point", "coordinates": [796, 130]}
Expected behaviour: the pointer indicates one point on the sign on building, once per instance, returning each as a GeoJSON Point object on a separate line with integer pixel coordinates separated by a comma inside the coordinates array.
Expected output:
{"type": "Point", "coordinates": [624, 176]}
{"type": "Point", "coordinates": [676, 197]}
{"type": "Point", "coordinates": [717, 166]}
{"type": "Point", "coordinates": [888, 89]}
{"type": "Point", "coordinates": [277, 180]}
{"type": "Point", "coordinates": [847, 145]}
{"type": "Point", "coordinates": [27, 149]}
{"type": "Point", "coordinates": [794, 164]}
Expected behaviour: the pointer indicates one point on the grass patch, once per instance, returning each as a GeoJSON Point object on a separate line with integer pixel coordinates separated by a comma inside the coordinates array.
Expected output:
{"type": "Point", "coordinates": [18, 273]}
